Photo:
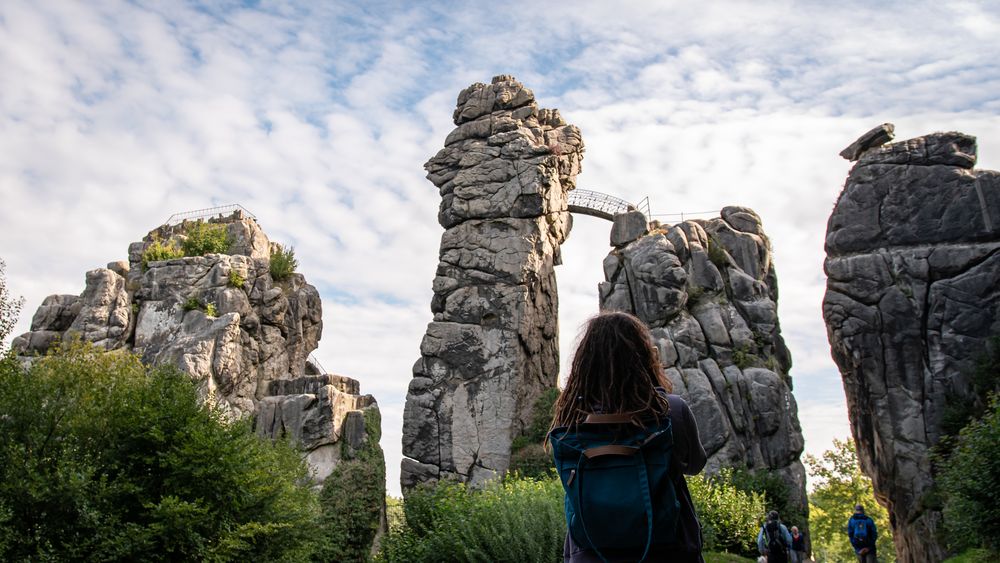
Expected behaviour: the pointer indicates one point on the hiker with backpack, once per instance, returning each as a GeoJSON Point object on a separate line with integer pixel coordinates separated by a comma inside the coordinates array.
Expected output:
{"type": "Point", "coordinates": [798, 546]}
{"type": "Point", "coordinates": [773, 540]}
{"type": "Point", "coordinates": [862, 533]}
{"type": "Point", "coordinates": [622, 445]}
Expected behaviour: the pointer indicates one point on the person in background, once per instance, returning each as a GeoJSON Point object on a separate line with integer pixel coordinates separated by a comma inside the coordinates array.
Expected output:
{"type": "Point", "coordinates": [773, 540]}
{"type": "Point", "coordinates": [862, 532]}
{"type": "Point", "coordinates": [798, 546]}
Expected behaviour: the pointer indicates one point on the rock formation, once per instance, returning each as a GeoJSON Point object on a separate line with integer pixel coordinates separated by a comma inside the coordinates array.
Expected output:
{"type": "Point", "coordinates": [708, 291]}
{"type": "Point", "coordinates": [913, 260]}
{"type": "Point", "coordinates": [492, 347]}
{"type": "Point", "coordinates": [222, 318]}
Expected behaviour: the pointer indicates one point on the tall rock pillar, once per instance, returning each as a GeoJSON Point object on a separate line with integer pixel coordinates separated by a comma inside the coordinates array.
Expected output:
{"type": "Point", "coordinates": [492, 347]}
{"type": "Point", "coordinates": [913, 255]}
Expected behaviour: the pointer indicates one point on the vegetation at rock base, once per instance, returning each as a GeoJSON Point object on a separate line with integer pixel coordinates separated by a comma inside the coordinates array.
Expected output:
{"type": "Point", "coordinates": [205, 238]}
{"type": "Point", "coordinates": [283, 262]}
{"type": "Point", "coordinates": [528, 457]}
{"type": "Point", "coordinates": [730, 517]}
{"type": "Point", "coordinates": [970, 481]}
{"type": "Point", "coordinates": [102, 458]}
{"type": "Point", "coordinates": [352, 499]}
{"type": "Point", "coordinates": [158, 250]}
{"type": "Point", "coordinates": [840, 485]}
{"type": "Point", "coordinates": [984, 380]}
{"type": "Point", "coordinates": [776, 492]}
{"type": "Point", "coordinates": [521, 519]}
{"type": "Point", "coordinates": [10, 307]}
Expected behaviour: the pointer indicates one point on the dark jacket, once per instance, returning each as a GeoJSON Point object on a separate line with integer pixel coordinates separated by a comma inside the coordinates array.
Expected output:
{"type": "Point", "coordinates": [872, 532]}
{"type": "Point", "coordinates": [688, 458]}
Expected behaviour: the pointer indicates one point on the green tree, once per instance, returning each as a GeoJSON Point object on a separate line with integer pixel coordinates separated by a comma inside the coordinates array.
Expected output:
{"type": "Point", "coordinates": [839, 486]}
{"type": "Point", "coordinates": [970, 481]}
{"type": "Point", "coordinates": [10, 307]}
{"type": "Point", "coordinates": [102, 458]}
{"type": "Point", "coordinates": [729, 516]}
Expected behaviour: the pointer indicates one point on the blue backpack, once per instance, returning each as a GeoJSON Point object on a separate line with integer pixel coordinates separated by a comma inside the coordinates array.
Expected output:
{"type": "Point", "coordinates": [619, 491]}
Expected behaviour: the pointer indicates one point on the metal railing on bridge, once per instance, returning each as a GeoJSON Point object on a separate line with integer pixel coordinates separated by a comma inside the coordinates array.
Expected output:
{"type": "Point", "coordinates": [597, 204]}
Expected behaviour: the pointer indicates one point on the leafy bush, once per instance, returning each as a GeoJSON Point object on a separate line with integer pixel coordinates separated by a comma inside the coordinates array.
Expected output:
{"type": "Point", "coordinates": [283, 262]}
{"type": "Point", "coordinates": [528, 457]}
{"type": "Point", "coordinates": [517, 519]}
{"type": "Point", "coordinates": [729, 517]}
{"type": "Point", "coordinates": [970, 480]}
{"type": "Point", "coordinates": [205, 238]}
{"type": "Point", "coordinates": [102, 458]}
{"type": "Point", "coordinates": [352, 499]}
{"type": "Point", "coordinates": [192, 304]}
{"type": "Point", "coordinates": [157, 251]}
{"type": "Point", "coordinates": [236, 280]}
{"type": "Point", "coordinates": [210, 310]}
{"type": "Point", "coordinates": [10, 308]}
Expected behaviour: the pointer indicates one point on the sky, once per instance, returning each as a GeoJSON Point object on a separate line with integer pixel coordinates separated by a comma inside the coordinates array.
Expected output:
{"type": "Point", "coordinates": [318, 117]}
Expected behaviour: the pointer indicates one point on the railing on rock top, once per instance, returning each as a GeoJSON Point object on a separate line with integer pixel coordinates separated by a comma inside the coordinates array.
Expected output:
{"type": "Point", "coordinates": [208, 212]}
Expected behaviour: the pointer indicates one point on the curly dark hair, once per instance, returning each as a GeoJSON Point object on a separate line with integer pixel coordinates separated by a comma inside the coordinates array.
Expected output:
{"type": "Point", "coordinates": [616, 369]}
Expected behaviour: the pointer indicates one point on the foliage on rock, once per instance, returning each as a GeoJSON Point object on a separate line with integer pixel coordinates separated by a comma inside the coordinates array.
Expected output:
{"type": "Point", "coordinates": [840, 485]}
{"type": "Point", "coordinates": [102, 458]}
{"type": "Point", "coordinates": [205, 238]}
{"type": "Point", "coordinates": [157, 251]}
{"type": "Point", "coordinates": [352, 500]}
{"type": "Point", "coordinates": [283, 262]}
{"type": "Point", "coordinates": [528, 457]}
{"type": "Point", "coordinates": [776, 492]}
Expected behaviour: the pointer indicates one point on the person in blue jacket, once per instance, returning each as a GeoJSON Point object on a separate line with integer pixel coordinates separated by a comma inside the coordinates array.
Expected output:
{"type": "Point", "coordinates": [863, 533]}
{"type": "Point", "coordinates": [773, 540]}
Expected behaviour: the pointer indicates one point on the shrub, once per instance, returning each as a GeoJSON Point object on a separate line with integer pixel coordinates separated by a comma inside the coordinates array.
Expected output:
{"type": "Point", "coordinates": [528, 457]}
{"type": "Point", "coordinates": [157, 251]}
{"type": "Point", "coordinates": [192, 303]}
{"type": "Point", "coordinates": [236, 280]}
{"type": "Point", "coordinates": [210, 310]}
{"type": "Point", "coordinates": [517, 519]}
{"type": "Point", "coordinates": [10, 309]}
{"type": "Point", "coordinates": [102, 458]}
{"type": "Point", "coordinates": [205, 238]}
{"type": "Point", "coordinates": [728, 516]}
{"type": "Point", "coordinates": [352, 499]}
{"type": "Point", "coordinates": [283, 262]}
{"type": "Point", "coordinates": [776, 492]}
{"type": "Point", "coordinates": [970, 480]}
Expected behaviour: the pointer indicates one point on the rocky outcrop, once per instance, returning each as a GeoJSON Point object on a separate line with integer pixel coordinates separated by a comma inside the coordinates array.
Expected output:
{"type": "Point", "coordinates": [913, 255]}
{"type": "Point", "coordinates": [222, 318]}
{"type": "Point", "coordinates": [707, 289]}
{"type": "Point", "coordinates": [492, 348]}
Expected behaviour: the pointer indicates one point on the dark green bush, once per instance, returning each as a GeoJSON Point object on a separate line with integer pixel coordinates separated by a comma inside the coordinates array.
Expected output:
{"type": "Point", "coordinates": [352, 500]}
{"type": "Point", "coordinates": [517, 519]}
{"type": "Point", "coordinates": [970, 481]}
{"type": "Point", "coordinates": [528, 457]}
{"type": "Point", "coordinates": [776, 492]}
{"type": "Point", "coordinates": [283, 262]}
{"type": "Point", "coordinates": [104, 459]}
{"type": "Point", "coordinates": [205, 238]}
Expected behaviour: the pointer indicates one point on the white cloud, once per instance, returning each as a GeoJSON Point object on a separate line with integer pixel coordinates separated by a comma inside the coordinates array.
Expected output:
{"type": "Point", "coordinates": [318, 118]}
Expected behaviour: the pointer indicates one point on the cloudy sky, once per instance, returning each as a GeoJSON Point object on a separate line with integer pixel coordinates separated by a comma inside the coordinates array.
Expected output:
{"type": "Point", "coordinates": [318, 117]}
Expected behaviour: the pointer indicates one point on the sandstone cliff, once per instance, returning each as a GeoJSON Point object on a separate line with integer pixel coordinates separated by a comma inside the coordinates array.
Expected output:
{"type": "Point", "coordinates": [913, 263]}
{"type": "Point", "coordinates": [708, 291]}
{"type": "Point", "coordinates": [492, 347]}
{"type": "Point", "coordinates": [242, 335]}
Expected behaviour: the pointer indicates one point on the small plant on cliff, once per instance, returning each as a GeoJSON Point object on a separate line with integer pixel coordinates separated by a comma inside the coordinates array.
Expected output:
{"type": "Point", "coordinates": [717, 254]}
{"type": "Point", "coordinates": [192, 304]}
{"type": "Point", "coordinates": [103, 458]}
{"type": "Point", "coordinates": [236, 280]}
{"type": "Point", "coordinates": [210, 310]}
{"type": "Point", "coordinates": [205, 238]}
{"type": "Point", "coordinates": [158, 250]}
{"type": "Point", "coordinates": [283, 262]}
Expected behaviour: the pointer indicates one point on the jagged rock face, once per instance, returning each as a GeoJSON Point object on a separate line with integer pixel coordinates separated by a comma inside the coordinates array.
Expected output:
{"type": "Point", "coordinates": [708, 291]}
{"type": "Point", "coordinates": [249, 356]}
{"type": "Point", "coordinates": [492, 348]}
{"type": "Point", "coordinates": [912, 296]}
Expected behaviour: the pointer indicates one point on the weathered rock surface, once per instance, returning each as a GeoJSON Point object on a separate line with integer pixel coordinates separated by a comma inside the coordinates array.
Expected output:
{"type": "Point", "coordinates": [913, 263]}
{"type": "Point", "coordinates": [708, 291]}
{"type": "Point", "coordinates": [492, 347]}
{"type": "Point", "coordinates": [244, 337]}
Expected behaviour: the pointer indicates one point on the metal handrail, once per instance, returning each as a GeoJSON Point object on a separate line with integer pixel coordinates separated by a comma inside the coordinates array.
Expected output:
{"type": "Point", "coordinates": [597, 204]}
{"type": "Point", "coordinates": [208, 212]}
